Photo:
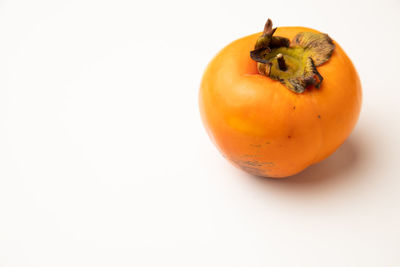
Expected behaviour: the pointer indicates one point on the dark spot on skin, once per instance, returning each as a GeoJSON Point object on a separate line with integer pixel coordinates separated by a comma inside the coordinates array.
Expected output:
{"type": "Point", "coordinates": [254, 167]}
{"type": "Point", "coordinates": [294, 107]}
{"type": "Point", "coordinates": [254, 163]}
{"type": "Point", "coordinates": [267, 143]}
{"type": "Point", "coordinates": [319, 116]}
{"type": "Point", "coordinates": [255, 145]}
{"type": "Point", "coordinates": [250, 156]}
{"type": "Point", "coordinates": [253, 170]}
{"type": "Point", "coordinates": [289, 136]}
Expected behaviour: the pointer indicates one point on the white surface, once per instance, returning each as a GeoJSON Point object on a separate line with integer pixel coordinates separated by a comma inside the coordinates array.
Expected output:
{"type": "Point", "coordinates": [104, 161]}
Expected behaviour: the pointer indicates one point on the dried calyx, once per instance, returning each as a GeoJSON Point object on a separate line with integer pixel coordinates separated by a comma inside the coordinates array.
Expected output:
{"type": "Point", "coordinates": [292, 63]}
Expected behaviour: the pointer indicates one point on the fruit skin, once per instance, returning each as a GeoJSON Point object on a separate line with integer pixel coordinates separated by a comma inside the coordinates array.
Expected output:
{"type": "Point", "coordinates": [264, 128]}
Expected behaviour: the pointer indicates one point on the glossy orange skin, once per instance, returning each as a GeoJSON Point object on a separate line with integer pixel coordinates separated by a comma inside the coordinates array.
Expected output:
{"type": "Point", "coordinates": [266, 129]}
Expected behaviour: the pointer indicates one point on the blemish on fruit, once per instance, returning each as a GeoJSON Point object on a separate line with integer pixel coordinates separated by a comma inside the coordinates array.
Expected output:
{"type": "Point", "coordinates": [250, 156]}
{"type": "Point", "coordinates": [255, 145]}
{"type": "Point", "coordinates": [319, 116]}
{"type": "Point", "coordinates": [254, 163]}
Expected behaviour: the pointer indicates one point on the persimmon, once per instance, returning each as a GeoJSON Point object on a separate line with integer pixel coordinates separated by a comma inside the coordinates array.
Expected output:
{"type": "Point", "coordinates": [279, 101]}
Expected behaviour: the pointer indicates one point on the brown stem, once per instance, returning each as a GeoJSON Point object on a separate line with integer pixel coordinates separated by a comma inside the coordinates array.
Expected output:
{"type": "Point", "coordinates": [281, 62]}
{"type": "Point", "coordinates": [281, 59]}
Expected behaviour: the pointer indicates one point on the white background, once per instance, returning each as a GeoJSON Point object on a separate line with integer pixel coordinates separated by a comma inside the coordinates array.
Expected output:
{"type": "Point", "coordinates": [104, 160]}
